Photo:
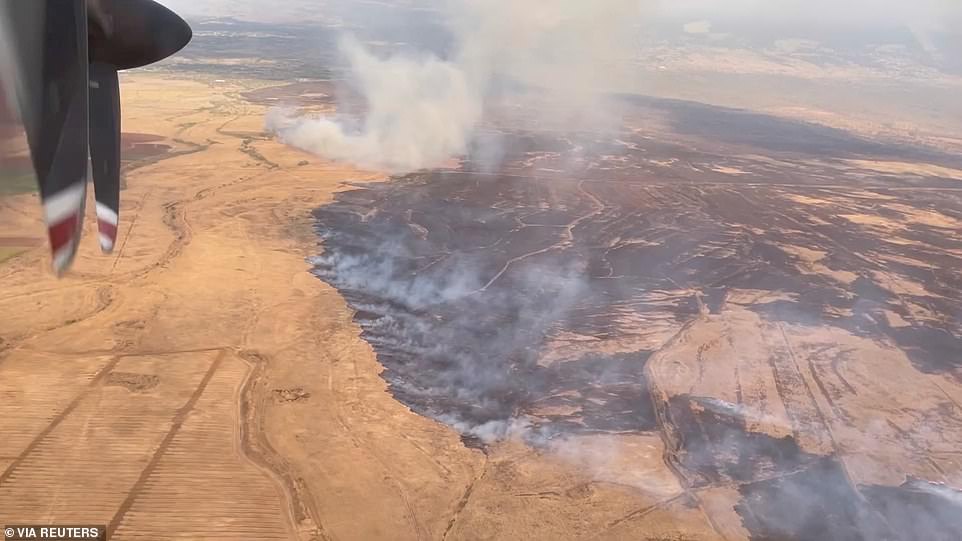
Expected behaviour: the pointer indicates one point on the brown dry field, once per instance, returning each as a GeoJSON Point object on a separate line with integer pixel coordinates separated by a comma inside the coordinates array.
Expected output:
{"type": "Point", "coordinates": [200, 383]}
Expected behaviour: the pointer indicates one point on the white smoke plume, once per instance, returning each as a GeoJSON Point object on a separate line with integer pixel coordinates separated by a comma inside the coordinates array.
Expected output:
{"type": "Point", "coordinates": [423, 111]}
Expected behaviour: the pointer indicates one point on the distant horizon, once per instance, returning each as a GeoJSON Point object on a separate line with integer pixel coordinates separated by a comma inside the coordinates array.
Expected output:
{"type": "Point", "coordinates": [931, 16]}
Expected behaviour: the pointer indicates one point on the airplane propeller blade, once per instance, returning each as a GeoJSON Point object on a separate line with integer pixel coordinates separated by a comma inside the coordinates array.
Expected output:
{"type": "Point", "coordinates": [105, 149]}
{"type": "Point", "coordinates": [52, 95]}
{"type": "Point", "coordinates": [60, 59]}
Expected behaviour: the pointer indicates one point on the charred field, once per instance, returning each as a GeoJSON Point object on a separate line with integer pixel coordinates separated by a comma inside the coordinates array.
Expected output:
{"type": "Point", "coordinates": [722, 278]}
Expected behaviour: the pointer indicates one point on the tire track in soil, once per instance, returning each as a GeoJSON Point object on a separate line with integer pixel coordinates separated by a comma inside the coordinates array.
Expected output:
{"type": "Point", "coordinates": [178, 421]}
{"type": "Point", "coordinates": [55, 422]}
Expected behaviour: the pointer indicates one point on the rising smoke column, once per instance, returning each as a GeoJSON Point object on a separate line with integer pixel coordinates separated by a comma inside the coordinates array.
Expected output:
{"type": "Point", "coordinates": [423, 111]}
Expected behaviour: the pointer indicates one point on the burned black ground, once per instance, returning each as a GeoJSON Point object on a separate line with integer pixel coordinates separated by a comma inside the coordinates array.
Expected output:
{"type": "Point", "coordinates": [472, 284]}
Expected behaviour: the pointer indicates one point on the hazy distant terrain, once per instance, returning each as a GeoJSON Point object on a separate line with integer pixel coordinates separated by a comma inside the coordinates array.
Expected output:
{"type": "Point", "coordinates": [884, 81]}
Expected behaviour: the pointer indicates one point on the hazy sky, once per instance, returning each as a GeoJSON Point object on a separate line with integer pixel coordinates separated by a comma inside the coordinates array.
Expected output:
{"type": "Point", "coordinates": [934, 25]}
{"type": "Point", "coordinates": [937, 13]}
{"type": "Point", "coordinates": [849, 12]}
